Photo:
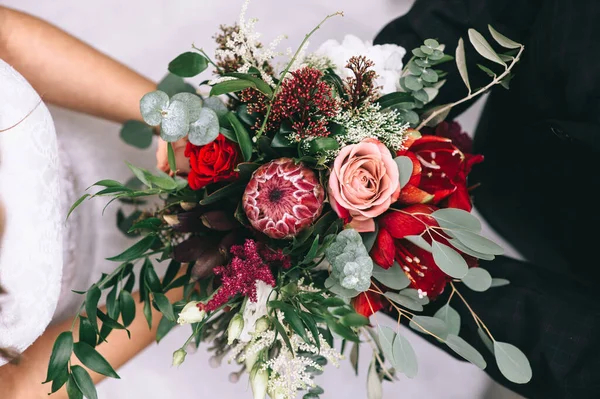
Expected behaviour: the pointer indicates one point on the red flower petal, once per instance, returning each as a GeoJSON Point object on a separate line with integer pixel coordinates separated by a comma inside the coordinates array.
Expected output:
{"type": "Point", "coordinates": [383, 250]}
{"type": "Point", "coordinates": [408, 221]}
{"type": "Point", "coordinates": [367, 303]}
{"type": "Point", "coordinates": [413, 195]}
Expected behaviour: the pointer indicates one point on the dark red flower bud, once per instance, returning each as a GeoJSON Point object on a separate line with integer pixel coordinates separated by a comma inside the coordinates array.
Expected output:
{"type": "Point", "coordinates": [219, 220]}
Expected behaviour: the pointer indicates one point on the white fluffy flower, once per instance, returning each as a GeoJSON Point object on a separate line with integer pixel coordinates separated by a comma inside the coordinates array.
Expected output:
{"type": "Point", "coordinates": [255, 310]}
{"type": "Point", "coordinates": [387, 59]}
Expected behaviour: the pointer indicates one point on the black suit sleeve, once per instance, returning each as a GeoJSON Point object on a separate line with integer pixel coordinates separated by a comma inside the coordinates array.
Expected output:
{"type": "Point", "coordinates": [447, 21]}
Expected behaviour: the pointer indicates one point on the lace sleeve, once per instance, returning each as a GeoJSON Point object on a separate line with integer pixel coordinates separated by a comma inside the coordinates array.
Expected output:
{"type": "Point", "coordinates": [31, 256]}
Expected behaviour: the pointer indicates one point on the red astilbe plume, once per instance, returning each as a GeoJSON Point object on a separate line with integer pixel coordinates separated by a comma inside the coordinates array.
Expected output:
{"type": "Point", "coordinates": [251, 262]}
{"type": "Point", "coordinates": [304, 99]}
{"type": "Point", "coordinates": [361, 88]}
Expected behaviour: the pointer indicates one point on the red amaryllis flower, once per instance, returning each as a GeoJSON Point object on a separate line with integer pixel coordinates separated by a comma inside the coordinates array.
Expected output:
{"type": "Point", "coordinates": [367, 303]}
{"type": "Point", "coordinates": [440, 172]}
{"type": "Point", "coordinates": [213, 162]}
{"type": "Point", "coordinates": [417, 263]}
{"type": "Point", "coordinates": [283, 198]}
{"type": "Point", "coordinates": [453, 131]}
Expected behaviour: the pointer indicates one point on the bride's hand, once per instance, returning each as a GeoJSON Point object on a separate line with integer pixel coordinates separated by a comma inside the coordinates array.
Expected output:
{"type": "Point", "coordinates": [181, 161]}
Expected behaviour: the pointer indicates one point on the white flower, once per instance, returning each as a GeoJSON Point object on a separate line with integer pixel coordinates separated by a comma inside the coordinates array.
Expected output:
{"type": "Point", "coordinates": [191, 314]}
{"type": "Point", "coordinates": [179, 357]}
{"type": "Point", "coordinates": [255, 310]}
{"type": "Point", "coordinates": [259, 380]}
{"type": "Point", "coordinates": [387, 59]}
{"type": "Point", "coordinates": [236, 325]}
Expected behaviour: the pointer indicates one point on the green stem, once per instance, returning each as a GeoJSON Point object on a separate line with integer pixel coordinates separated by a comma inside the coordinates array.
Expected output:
{"type": "Point", "coordinates": [207, 58]}
{"type": "Point", "coordinates": [287, 68]}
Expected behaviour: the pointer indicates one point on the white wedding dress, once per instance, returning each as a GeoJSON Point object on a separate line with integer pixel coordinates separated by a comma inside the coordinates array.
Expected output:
{"type": "Point", "coordinates": [42, 173]}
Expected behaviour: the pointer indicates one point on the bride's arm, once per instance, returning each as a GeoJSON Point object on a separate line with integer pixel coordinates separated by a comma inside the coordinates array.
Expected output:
{"type": "Point", "coordinates": [68, 72]}
{"type": "Point", "coordinates": [24, 380]}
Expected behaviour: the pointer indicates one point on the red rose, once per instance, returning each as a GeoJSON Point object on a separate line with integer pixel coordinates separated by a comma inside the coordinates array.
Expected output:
{"type": "Point", "coordinates": [440, 172]}
{"type": "Point", "coordinates": [213, 162]}
{"type": "Point", "coordinates": [417, 263]}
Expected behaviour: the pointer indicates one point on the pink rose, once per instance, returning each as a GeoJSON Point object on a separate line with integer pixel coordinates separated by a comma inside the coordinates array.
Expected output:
{"type": "Point", "coordinates": [181, 161]}
{"type": "Point", "coordinates": [363, 183]}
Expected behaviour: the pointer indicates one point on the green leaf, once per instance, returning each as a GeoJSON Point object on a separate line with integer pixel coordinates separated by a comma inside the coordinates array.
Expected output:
{"type": "Point", "coordinates": [386, 340]}
{"type": "Point", "coordinates": [461, 63]}
{"type": "Point", "coordinates": [165, 307]}
{"type": "Point", "coordinates": [260, 84]}
{"type": "Point", "coordinates": [226, 192]}
{"type": "Point", "coordinates": [421, 95]}
{"type": "Point", "coordinates": [343, 331]}
{"type": "Point", "coordinates": [464, 349]}
{"type": "Point", "coordinates": [487, 70]}
{"type": "Point", "coordinates": [420, 242]}
{"type": "Point", "coordinates": [230, 86]}
{"type": "Point", "coordinates": [477, 279]}
{"type": "Point", "coordinates": [453, 218]}
{"type": "Point", "coordinates": [148, 313]}
{"type": "Point", "coordinates": [374, 387]}
{"type": "Point", "coordinates": [164, 182]}
{"type": "Point", "coordinates": [61, 353]}
{"type": "Point", "coordinates": [76, 204]}
{"type": "Point", "coordinates": [109, 322]}
{"type": "Point", "coordinates": [87, 333]}
{"type": "Point", "coordinates": [333, 302]}
{"type": "Point", "coordinates": [450, 317]}
{"type": "Point", "coordinates": [395, 98]}
{"type": "Point", "coordinates": [137, 134]}
{"type": "Point", "coordinates": [486, 340]}
{"type": "Point", "coordinates": [405, 301]}
{"type": "Point", "coordinates": [503, 40]}
{"type": "Point", "coordinates": [127, 305]}
{"type": "Point", "coordinates": [151, 278]}
{"type": "Point", "coordinates": [171, 157]}
{"type": "Point", "coordinates": [205, 129]}
{"type": "Point", "coordinates": [73, 391]}
{"type": "Point", "coordinates": [413, 83]}
{"type": "Point", "coordinates": [151, 224]}
{"type": "Point", "coordinates": [477, 243]}
{"type": "Point", "coordinates": [152, 106]}
{"type": "Point", "coordinates": [432, 43]}
{"type": "Point", "coordinates": [175, 121]}
{"type": "Point", "coordinates": [405, 357]}
{"type": "Point", "coordinates": [243, 137]}
{"type": "Point", "coordinates": [448, 260]}
{"type": "Point", "coordinates": [439, 118]}
{"type": "Point", "coordinates": [84, 382]}
{"type": "Point", "coordinates": [354, 320]}
{"type": "Point", "coordinates": [140, 174]}
{"type": "Point", "coordinates": [282, 332]}
{"type": "Point", "coordinates": [499, 282]}
{"type": "Point", "coordinates": [312, 252]}
{"type": "Point", "coordinates": [429, 75]}
{"type": "Point", "coordinates": [280, 140]}
{"type": "Point", "coordinates": [432, 325]}
{"type": "Point", "coordinates": [93, 360]}
{"type": "Point", "coordinates": [463, 248]}
{"type": "Point", "coordinates": [188, 64]}
{"type": "Point", "coordinates": [405, 169]}
{"type": "Point", "coordinates": [513, 364]}
{"type": "Point", "coordinates": [164, 326]}
{"type": "Point", "coordinates": [322, 144]}
{"type": "Point", "coordinates": [369, 238]}
{"type": "Point", "coordinates": [135, 251]}
{"type": "Point", "coordinates": [416, 295]}
{"type": "Point", "coordinates": [171, 272]}
{"type": "Point", "coordinates": [172, 84]}
{"type": "Point", "coordinates": [483, 47]}
{"type": "Point", "coordinates": [91, 304]}
{"type": "Point", "coordinates": [393, 277]}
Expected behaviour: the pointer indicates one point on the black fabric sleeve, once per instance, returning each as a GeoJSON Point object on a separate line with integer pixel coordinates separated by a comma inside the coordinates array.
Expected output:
{"type": "Point", "coordinates": [447, 21]}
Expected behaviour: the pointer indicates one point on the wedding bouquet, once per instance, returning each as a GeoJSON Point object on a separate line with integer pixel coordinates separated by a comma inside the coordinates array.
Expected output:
{"type": "Point", "coordinates": [293, 206]}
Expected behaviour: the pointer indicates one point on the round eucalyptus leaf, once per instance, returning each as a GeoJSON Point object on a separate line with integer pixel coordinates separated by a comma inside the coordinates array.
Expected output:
{"type": "Point", "coordinates": [432, 93]}
{"type": "Point", "coordinates": [205, 129]}
{"type": "Point", "coordinates": [429, 325]}
{"type": "Point", "coordinates": [137, 134]}
{"type": "Point", "coordinates": [405, 169]}
{"type": "Point", "coordinates": [414, 68]}
{"type": "Point", "coordinates": [437, 55]}
{"type": "Point", "coordinates": [152, 106]}
{"type": "Point", "coordinates": [477, 279]}
{"type": "Point", "coordinates": [448, 260]}
{"type": "Point", "coordinates": [420, 242]}
{"type": "Point", "coordinates": [463, 248]}
{"type": "Point", "coordinates": [477, 243]}
{"type": "Point", "coordinates": [423, 63]}
{"type": "Point", "coordinates": [429, 75]}
{"type": "Point", "coordinates": [421, 95]}
{"type": "Point", "coordinates": [374, 388]}
{"type": "Point", "coordinates": [393, 277]}
{"type": "Point", "coordinates": [418, 53]}
{"type": "Point", "coordinates": [426, 50]}
{"type": "Point", "coordinates": [405, 356]}
{"type": "Point", "coordinates": [464, 349]}
{"type": "Point", "coordinates": [192, 102]}
{"type": "Point", "coordinates": [386, 339]}
{"type": "Point", "coordinates": [457, 219]}
{"type": "Point", "coordinates": [175, 123]}
{"type": "Point", "coordinates": [432, 43]}
{"type": "Point", "coordinates": [404, 301]}
{"type": "Point", "coordinates": [216, 105]}
{"type": "Point", "coordinates": [413, 83]}
{"type": "Point", "coordinates": [449, 316]}
{"type": "Point", "coordinates": [513, 364]}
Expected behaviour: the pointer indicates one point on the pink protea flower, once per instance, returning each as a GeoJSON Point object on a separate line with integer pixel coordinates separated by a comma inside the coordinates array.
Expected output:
{"type": "Point", "coordinates": [283, 198]}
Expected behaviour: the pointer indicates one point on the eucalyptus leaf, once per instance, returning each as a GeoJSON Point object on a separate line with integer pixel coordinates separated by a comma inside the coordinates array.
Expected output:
{"type": "Point", "coordinates": [369, 238]}
{"type": "Point", "coordinates": [431, 92]}
{"type": "Point", "coordinates": [188, 64]}
{"type": "Point", "coordinates": [420, 242]}
{"type": "Point", "coordinates": [152, 106]}
{"type": "Point", "coordinates": [413, 83]}
{"type": "Point", "coordinates": [477, 243]}
{"type": "Point", "coordinates": [448, 260]}
{"type": "Point", "coordinates": [173, 84]}
{"type": "Point", "coordinates": [513, 364]}
{"type": "Point", "coordinates": [499, 282]}
{"type": "Point", "coordinates": [205, 129]}
{"type": "Point", "coordinates": [432, 43]}
{"type": "Point", "coordinates": [137, 134]}
{"type": "Point", "coordinates": [457, 244]}
{"type": "Point", "coordinates": [421, 95]}
{"type": "Point", "coordinates": [404, 301]}
{"type": "Point", "coordinates": [429, 325]}
{"type": "Point", "coordinates": [450, 317]}
{"type": "Point", "coordinates": [464, 349]}
{"type": "Point", "coordinates": [175, 121]}
{"type": "Point", "coordinates": [405, 169]}
{"type": "Point", "coordinates": [386, 339]}
{"type": "Point", "coordinates": [503, 40]}
{"type": "Point", "coordinates": [483, 47]}
{"type": "Point", "coordinates": [486, 340]}
{"type": "Point", "coordinates": [453, 218]}
{"type": "Point", "coordinates": [342, 292]}
{"type": "Point", "coordinates": [374, 387]}
{"type": "Point", "coordinates": [429, 75]}
{"type": "Point", "coordinates": [417, 295]}
{"type": "Point", "coordinates": [477, 279]}
{"type": "Point", "coordinates": [405, 357]}
{"type": "Point", "coordinates": [192, 102]}
{"type": "Point", "coordinates": [216, 105]}
{"type": "Point", "coordinates": [393, 277]}
{"type": "Point", "coordinates": [461, 63]}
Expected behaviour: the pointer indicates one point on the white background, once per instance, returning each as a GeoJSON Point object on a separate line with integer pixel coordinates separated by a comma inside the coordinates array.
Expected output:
{"type": "Point", "coordinates": [146, 35]}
